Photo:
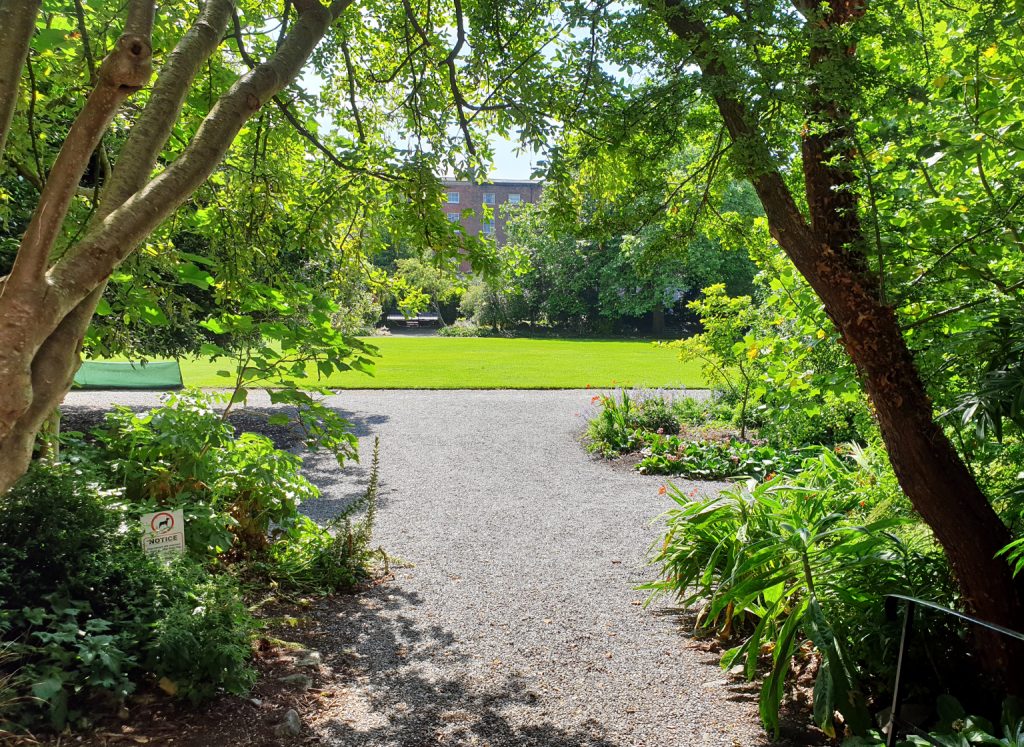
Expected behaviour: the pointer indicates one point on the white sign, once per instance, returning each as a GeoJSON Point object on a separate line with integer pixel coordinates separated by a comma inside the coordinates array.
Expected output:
{"type": "Point", "coordinates": [163, 533]}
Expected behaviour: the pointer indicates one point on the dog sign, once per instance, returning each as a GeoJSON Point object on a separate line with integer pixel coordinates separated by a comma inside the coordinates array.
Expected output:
{"type": "Point", "coordinates": [163, 533]}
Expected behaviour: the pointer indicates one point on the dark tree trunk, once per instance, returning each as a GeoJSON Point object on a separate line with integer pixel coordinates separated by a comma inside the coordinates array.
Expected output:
{"type": "Point", "coordinates": [658, 321]}
{"type": "Point", "coordinates": [828, 250]}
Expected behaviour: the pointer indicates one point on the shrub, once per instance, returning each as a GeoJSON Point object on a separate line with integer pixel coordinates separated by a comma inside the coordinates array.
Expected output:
{"type": "Point", "coordinates": [777, 365]}
{"type": "Point", "coordinates": [613, 431]}
{"type": "Point", "coordinates": [331, 558]}
{"type": "Point", "coordinates": [656, 415]}
{"type": "Point", "coordinates": [715, 460]}
{"type": "Point", "coordinates": [958, 729]}
{"type": "Point", "coordinates": [619, 425]}
{"type": "Point", "coordinates": [805, 558]}
{"type": "Point", "coordinates": [465, 329]}
{"type": "Point", "coordinates": [184, 455]}
{"type": "Point", "coordinates": [83, 610]}
{"type": "Point", "coordinates": [202, 643]}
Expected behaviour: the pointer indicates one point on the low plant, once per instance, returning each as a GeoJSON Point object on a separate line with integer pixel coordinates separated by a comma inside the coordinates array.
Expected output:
{"type": "Point", "coordinates": [201, 643]}
{"type": "Point", "coordinates": [787, 561]}
{"type": "Point", "coordinates": [613, 431]}
{"type": "Point", "coordinates": [465, 329]}
{"type": "Point", "coordinates": [83, 612]}
{"type": "Point", "coordinates": [335, 557]}
{"type": "Point", "coordinates": [956, 728]}
{"type": "Point", "coordinates": [184, 455]}
{"type": "Point", "coordinates": [624, 418]}
{"type": "Point", "coordinates": [716, 460]}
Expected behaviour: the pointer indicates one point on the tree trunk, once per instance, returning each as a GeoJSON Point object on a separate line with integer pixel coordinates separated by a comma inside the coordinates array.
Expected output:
{"type": "Point", "coordinates": [658, 321]}
{"type": "Point", "coordinates": [828, 251]}
{"type": "Point", "coordinates": [17, 22]}
{"type": "Point", "coordinates": [45, 303]}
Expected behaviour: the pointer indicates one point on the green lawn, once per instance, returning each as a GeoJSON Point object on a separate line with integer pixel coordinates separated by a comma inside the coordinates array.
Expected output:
{"type": "Point", "coordinates": [498, 363]}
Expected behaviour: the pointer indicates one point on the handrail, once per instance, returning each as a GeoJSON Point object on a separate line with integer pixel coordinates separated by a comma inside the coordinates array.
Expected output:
{"type": "Point", "coordinates": [961, 615]}
{"type": "Point", "coordinates": [908, 625]}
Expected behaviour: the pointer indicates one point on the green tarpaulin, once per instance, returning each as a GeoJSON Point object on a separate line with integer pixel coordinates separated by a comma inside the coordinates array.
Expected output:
{"type": "Point", "coordinates": [129, 375]}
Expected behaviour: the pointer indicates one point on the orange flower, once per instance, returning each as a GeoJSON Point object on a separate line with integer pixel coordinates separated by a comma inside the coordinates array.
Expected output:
{"type": "Point", "coordinates": [595, 398]}
{"type": "Point", "coordinates": [662, 490]}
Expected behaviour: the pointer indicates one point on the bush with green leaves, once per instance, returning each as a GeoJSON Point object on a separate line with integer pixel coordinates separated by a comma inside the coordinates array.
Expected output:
{"type": "Point", "coordinates": [715, 460]}
{"type": "Point", "coordinates": [184, 454]}
{"type": "Point", "coordinates": [201, 643]}
{"type": "Point", "coordinates": [776, 364]}
{"type": "Point", "coordinates": [85, 615]}
{"type": "Point", "coordinates": [465, 329]}
{"type": "Point", "coordinates": [807, 558]}
{"type": "Point", "coordinates": [956, 728]}
{"type": "Point", "coordinates": [623, 419]}
{"type": "Point", "coordinates": [335, 557]}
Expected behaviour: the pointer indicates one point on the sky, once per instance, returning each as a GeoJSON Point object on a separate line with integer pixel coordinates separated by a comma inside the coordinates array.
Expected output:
{"type": "Point", "coordinates": [509, 165]}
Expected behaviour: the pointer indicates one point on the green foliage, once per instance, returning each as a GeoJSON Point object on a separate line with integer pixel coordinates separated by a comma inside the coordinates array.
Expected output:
{"type": "Point", "coordinates": [613, 431]}
{"type": "Point", "coordinates": [715, 460]}
{"type": "Point", "coordinates": [623, 419]}
{"type": "Point", "coordinates": [201, 643]}
{"type": "Point", "coordinates": [776, 363]}
{"type": "Point", "coordinates": [441, 285]}
{"type": "Point", "coordinates": [85, 615]}
{"type": "Point", "coordinates": [958, 729]}
{"type": "Point", "coordinates": [489, 304]}
{"type": "Point", "coordinates": [726, 348]}
{"type": "Point", "coordinates": [278, 336]}
{"type": "Point", "coordinates": [332, 558]}
{"type": "Point", "coordinates": [465, 329]}
{"type": "Point", "coordinates": [590, 262]}
{"type": "Point", "coordinates": [185, 455]}
{"type": "Point", "coordinates": [788, 559]}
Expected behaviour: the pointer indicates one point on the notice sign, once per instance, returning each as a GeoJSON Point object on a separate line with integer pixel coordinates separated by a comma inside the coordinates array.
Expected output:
{"type": "Point", "coordinates": [163, 533]}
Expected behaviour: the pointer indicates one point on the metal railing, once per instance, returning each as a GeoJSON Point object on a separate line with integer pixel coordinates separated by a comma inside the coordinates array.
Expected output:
{"type": "Point", "coordinates": [908, 628]}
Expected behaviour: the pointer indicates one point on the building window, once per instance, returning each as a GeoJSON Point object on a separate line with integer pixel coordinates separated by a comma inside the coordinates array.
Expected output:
{"type": "Point", "coordinates": [454, 217]}
{"type": "Point", "coordinates": [514, 199]}
{"type": "Point", "coordinates": [453, 198]}
{"type": "Point", "coordinates": [488, 198]}
{"type": "Point", "coordinates": [487, 227]}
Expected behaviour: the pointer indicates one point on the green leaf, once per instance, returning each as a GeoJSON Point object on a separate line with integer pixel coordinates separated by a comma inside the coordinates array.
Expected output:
{"type": "Point", "coordinates": [45, 39]}
{"type": "Point", "coordinates": [47, 688]}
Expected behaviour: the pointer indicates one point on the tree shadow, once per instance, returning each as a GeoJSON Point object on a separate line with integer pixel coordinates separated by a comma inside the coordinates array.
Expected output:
{"type": "Point", "coordinates": [406, 694]}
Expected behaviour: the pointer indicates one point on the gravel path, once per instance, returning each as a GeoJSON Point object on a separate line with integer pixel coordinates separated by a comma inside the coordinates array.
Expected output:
{"type": "Point", "coordinates": [513, 620]}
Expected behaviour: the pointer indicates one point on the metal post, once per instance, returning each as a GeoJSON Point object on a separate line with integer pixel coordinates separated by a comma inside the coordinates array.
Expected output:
{"type": "Point", "coordinates": [894, 712]}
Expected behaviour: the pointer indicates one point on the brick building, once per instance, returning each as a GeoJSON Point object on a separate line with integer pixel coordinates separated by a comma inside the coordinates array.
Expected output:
{"type": "Point", "coordinates": [468, 196]}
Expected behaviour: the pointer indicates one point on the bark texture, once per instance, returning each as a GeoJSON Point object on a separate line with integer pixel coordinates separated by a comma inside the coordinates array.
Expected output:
{"type": "Point", "coordinates": [46, 305]}
{"type": "Point", "coordinates": [826, 246]}
{"type": "Point", "coordinates": [17, 22]}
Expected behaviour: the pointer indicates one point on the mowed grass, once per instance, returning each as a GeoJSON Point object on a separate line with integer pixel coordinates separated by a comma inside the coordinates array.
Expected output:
{"type": "Point", "coordinates": [497, 363]}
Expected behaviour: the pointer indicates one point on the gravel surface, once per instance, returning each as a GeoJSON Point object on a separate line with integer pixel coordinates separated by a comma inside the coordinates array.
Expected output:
{"type": "Point", "coordinates": [513, 619]}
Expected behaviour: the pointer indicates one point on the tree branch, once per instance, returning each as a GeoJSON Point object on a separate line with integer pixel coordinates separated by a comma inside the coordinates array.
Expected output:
{"type": "Point", "coordinates": [787, 224]}
{"type": "Point", "coordinates": [17, 23]}
{"type": "Point", "coordinates": [453, 78]}
{"type": "Point", "coordinates": [962, 307]}
{"type": "Point", "coordinates": [351, 73]}
{"type": "Point", "coordinates": [152, 130]}
{"type": "Point", "coordinates": [90, 261]}
{"type": "Point", "coordinates": [125, 71]}
{"type": "Point", "coordinates": [83, 31]}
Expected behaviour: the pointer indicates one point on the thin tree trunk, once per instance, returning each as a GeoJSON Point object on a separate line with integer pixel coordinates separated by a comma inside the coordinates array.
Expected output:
{"type": "Point", "coordinates": [17, 22]}
{"type": "Point", "coordinates": [658, 321]}
{"type": "Point", "coordinates": [45, 310]}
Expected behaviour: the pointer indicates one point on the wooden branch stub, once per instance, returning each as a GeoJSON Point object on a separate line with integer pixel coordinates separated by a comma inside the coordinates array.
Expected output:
{"type": "Point", "coordinates": [130, 66]}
